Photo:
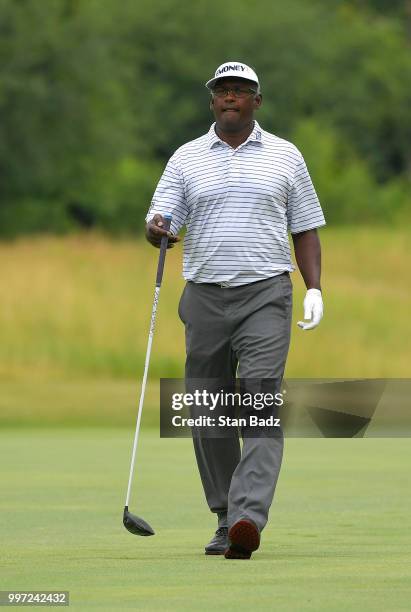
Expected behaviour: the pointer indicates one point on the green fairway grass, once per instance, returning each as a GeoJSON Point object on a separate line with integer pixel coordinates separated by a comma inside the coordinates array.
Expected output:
{"type": "Point", "coordinates": [338, 538]}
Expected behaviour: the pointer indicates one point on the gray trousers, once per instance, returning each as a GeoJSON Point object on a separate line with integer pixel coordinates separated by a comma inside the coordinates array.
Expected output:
{"type": "Point", "coordinates": [248, 328]}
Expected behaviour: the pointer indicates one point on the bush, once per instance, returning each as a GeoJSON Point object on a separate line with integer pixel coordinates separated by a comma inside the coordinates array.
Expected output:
{"type": "Point", "coordinates": [347, 189]}
{"type": "Point", "coordinates": [119, 196]}
{"type": "Point", "coordinates": [29, 216]}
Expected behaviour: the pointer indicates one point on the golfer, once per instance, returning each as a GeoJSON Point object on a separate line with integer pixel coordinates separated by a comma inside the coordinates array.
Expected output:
{"type": "Point", "coordinates": [239, 190]}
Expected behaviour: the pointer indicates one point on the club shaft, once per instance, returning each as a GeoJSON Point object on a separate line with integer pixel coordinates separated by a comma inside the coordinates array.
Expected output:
{"type": "Point", "coordinates": [159, 278]}
{"type": "Point", "coordinates": [143, 391]}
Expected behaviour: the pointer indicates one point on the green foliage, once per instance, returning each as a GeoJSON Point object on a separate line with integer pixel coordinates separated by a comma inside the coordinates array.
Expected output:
{"type": "Point", "coordinates": [95, 95]}
{"type": "Point", "coordinates": [347, 189]}
{"type": "Point", "coordinates": [29, 215]}
{"type": "Point", "coordinates": [62, 94]}
{"type": "Point", "coordinates": [118, 194]}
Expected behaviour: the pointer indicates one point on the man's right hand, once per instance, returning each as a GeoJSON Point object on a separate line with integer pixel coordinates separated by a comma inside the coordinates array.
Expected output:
{"type": "Point", "coordinates": [155, 231]}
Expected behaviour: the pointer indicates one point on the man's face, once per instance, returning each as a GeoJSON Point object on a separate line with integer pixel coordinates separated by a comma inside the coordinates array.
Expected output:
{"type": "Point", "coordinates": [233, 114]}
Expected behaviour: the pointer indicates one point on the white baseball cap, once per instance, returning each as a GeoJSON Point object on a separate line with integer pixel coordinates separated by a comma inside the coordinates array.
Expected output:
{"type": "Point", "coordinates": [233, 69]}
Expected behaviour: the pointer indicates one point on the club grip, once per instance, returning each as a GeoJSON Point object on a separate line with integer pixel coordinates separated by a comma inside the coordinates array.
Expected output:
{"type": "Point", "coordinates": [163, 250]}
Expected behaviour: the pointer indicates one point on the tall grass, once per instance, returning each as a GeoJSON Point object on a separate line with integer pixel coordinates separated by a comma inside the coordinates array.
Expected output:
{"type": "Point", "coordinates": [80, 306]}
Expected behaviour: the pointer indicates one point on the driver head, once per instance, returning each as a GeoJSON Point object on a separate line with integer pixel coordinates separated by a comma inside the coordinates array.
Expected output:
{"type": "Point", "coordinates": [135, 524]}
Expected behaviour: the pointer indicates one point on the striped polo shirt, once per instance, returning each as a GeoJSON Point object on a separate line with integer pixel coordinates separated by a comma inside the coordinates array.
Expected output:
{"type": "Point", "coordinates": [237, 205]}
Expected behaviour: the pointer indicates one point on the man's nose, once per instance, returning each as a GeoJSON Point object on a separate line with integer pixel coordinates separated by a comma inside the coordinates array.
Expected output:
{"type": "Point", "coordinates": [229, 94]}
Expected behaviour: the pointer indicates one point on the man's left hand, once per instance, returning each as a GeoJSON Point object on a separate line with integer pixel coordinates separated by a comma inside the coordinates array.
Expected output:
{"type": "Point", "coordinates": [313, 309]}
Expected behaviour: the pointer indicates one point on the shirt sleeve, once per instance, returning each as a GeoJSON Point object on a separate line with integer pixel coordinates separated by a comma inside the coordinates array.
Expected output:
{"type": "Point", "coordinates": [304, 211]}
{"type": "Point", "coordinates": [169, 197]}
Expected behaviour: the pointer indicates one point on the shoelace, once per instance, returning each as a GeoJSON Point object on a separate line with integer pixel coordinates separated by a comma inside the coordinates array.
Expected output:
{"type": "Point", "coordinates": [222, 531]}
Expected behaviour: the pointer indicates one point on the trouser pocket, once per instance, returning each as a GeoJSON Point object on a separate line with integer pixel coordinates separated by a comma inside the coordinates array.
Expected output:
{"type": "Point", "coordinates": [181, 306]}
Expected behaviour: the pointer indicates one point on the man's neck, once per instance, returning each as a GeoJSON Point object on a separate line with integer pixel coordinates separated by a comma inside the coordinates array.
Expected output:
{"type": "Point", "coordinates": [235, 139]}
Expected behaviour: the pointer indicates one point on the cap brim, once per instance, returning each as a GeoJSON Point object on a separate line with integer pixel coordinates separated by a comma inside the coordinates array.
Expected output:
{"type": "Point", "coordinates": [212, 82]}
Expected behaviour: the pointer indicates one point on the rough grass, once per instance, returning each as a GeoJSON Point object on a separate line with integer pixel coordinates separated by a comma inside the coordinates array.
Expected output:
{"type": "Point", "coordinates": [338, 538]}
{"type": "Point", "coordinates": [80, 306]}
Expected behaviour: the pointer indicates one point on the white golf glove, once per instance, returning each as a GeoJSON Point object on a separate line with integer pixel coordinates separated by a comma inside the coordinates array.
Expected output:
{"type": "Point", "coordinates": [313, 309]}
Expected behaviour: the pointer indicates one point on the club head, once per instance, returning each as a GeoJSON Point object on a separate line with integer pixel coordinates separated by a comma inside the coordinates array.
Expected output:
{"type": "Point", "coordinates": [136, 525]}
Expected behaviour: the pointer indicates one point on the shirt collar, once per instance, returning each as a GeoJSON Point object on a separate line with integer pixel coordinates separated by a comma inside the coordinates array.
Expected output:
{"type": "Point", "coordinates": [255, 136]}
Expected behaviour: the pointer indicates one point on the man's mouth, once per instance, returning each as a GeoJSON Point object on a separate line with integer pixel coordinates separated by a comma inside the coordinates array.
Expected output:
{"type": "Point", "coordinates": [230, 110]}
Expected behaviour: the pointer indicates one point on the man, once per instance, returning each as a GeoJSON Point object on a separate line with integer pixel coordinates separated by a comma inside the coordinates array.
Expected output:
{"type": "Point", "coordinates": [238, 190]}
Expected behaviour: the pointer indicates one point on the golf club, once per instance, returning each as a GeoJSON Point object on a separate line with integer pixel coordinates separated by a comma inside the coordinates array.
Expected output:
{"type": "Point", "coordinates": [134, 524]}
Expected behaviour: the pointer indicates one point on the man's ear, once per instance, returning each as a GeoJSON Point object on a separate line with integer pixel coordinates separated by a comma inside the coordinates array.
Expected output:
{"type": "Point", "coordinates": [211, 102]}
{"type": "Point", "coordinates": [258, 100]}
